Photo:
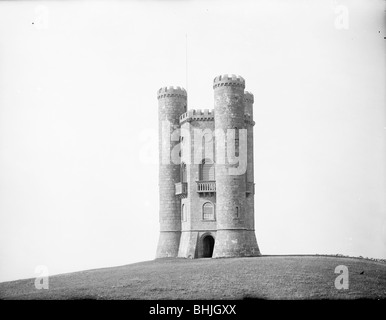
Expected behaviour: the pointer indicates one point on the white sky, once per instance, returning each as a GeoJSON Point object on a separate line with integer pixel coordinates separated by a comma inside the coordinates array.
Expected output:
{"type": "Point", "coordinates": [78, 123]}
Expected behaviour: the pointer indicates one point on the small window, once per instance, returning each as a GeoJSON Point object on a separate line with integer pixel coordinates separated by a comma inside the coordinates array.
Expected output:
{"type": "Point", "coordinates": [183, 173]}
{"type": "Point", "coordinates": [208, 211]}
{"type": "Point", "coordinates": [181, 147]}
{"type": "Point", "coordinates": [237, 142]}
{"type": "Point", "coordinates": [237, 212]}
{"type": "Point", "coordinates": [183, 213]}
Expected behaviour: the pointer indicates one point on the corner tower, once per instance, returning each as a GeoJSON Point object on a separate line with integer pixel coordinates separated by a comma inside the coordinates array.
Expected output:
{"type": "Point", "coordinates": [235, 236]}
{"type": "Point", "coordinates": [171, 104]}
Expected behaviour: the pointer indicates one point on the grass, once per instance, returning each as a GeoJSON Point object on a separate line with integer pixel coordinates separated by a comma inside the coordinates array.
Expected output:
{"type": "Point", "coordinates": [266, 277]}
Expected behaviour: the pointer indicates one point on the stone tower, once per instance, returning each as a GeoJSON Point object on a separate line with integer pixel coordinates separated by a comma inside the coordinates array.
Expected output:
{"type": "Point", "coordinates": [206, 188]}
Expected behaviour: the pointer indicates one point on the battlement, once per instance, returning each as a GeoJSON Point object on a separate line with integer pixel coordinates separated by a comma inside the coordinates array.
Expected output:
{"type": "Point", "coordinates": [171, 92]}
{"type": "Point", "coordinates": [228, 80]}
{"type": "Point", "coordinates": [207, 115]}
{"type": "Point", "coordinates": [197, 115]}
{"type": "Point", "coordinates": [248, 96]}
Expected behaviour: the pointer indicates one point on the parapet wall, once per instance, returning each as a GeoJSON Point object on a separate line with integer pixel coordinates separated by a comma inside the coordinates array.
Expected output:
{"type": "Point", "coordinates": [197, 115]}
{"type": "Point", "coordinates": [206, 115]}
{"type": "Point", "coordinates": [171, 92]}
{"type": "Point", "coordinates": [228, 80]}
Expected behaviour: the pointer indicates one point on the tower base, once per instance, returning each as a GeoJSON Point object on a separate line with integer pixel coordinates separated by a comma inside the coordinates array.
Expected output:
{"type": "Point", "coordinates": [235, 243]}
{"type": "Point", "coordinates": [168, 244]}
{"type": "Point", "coordinates": [188, 245]}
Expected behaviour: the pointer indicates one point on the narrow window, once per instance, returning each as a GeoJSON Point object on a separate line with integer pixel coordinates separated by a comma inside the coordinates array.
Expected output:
{"type": "Point", "coordinates": [183, 213]}
{"type": "Point", "coordinates": [181, 146]}
{"type": "Point", "coordinates": [237, 142]}
{"type": "Point", "coordinates": [183, 173]}
{"type": "Point", "coordinates": [237, 212]}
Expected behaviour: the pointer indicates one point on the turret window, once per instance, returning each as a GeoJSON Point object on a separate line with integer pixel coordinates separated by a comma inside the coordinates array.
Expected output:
{"type": "Point", "coordinates": [237, 142]}
{"type": "Point", "coordinates": [183, 173]}
{"type": "Point", "coordinates": [183, 213]}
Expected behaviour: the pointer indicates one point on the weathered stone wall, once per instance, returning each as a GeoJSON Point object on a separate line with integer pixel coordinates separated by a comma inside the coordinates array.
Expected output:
{"type": "Point", "coordinates": [188, 244]}
{"type": "Point", "coordinates": [235, 243]}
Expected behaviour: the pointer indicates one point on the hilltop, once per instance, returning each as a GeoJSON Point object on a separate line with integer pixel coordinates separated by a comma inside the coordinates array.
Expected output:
{"type": "Point", "coordinates": [266, 277]}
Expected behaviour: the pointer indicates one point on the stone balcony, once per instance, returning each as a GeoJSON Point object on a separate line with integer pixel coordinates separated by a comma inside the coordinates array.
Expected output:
{"type": "Point", "coordinates": [206, 186]}
{"type": "Point", "coordinates": [181, 189]}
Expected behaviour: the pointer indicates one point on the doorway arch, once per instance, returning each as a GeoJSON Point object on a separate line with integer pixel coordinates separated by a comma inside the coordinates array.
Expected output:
{"type": "Point", "coordinates": [207, 246]}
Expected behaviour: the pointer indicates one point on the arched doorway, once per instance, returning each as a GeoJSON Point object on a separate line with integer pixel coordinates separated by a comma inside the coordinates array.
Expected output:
{"type": "Point", "coordinates": [207, 246]}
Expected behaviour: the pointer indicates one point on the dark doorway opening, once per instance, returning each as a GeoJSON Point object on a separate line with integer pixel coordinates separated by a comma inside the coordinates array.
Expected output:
{"type": "Point", "coordinates": [208, 245]}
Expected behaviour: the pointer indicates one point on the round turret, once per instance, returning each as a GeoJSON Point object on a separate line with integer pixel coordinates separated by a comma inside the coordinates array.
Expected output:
{"type": "Point", "coordinates": [171, 105]}
{"type": "Point", "coordinates": [235, 235]}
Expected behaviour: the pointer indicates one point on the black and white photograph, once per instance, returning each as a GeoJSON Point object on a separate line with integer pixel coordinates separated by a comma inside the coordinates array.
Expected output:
{"type": "Point", "coordinates": [176, 152]}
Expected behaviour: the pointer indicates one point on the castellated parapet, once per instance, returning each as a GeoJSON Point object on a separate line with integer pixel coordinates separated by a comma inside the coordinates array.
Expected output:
{"type": "Point", "coordinates": [229, 80]}
{"type": "Point", "coordinates": [205, 210]}
{"type": "Point", "coordinates": [170, 92]}
{"type": "Point", "coordinates": [197, 115]}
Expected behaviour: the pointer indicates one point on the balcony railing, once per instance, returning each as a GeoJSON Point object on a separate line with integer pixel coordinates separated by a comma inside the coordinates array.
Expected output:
{"type": "Point", "coordinates": [181, 188]}
{"type": "Point", "coordinates": [206, 186]}
{"type": "Point", "coordinates": [250, 188]}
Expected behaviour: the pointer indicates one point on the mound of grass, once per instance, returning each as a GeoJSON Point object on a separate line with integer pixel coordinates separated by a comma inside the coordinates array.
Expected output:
{"type": "Point", "coordinates": [266, 277]}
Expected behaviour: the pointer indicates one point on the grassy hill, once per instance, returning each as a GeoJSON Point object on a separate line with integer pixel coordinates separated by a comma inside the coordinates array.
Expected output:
{"type": "Point", "coordinates": [266, 277]}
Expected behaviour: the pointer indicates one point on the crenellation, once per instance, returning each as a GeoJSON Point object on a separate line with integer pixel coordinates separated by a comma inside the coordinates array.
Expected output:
{"type": "Point", "coordinates": [229, 80]}
{"type": "Point", "coordinates": [197, 115]}
{"type": "Point", "coordinates": [172, 92]}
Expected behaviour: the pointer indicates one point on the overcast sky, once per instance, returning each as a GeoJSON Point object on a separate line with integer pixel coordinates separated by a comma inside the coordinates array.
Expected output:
{"type": "Point", "coordinates": [78, 123]}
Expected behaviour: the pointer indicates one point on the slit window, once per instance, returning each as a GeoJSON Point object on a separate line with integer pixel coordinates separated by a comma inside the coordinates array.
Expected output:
{"type": "Point", "coordinates": [183, 213]}
{"type": "Point", "coordinates": [183, 173]}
